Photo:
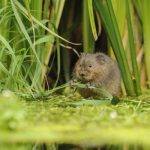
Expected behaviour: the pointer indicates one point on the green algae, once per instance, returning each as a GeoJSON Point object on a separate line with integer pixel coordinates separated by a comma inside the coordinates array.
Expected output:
{"type": "Point", "coordinates": [58, 120]}
{"type": "Point", "coordinates": [11, 112]}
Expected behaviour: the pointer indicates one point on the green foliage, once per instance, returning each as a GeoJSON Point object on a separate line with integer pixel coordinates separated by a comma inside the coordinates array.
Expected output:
{"type": "Point", "coordinates": [92, 20]}
{"type": "Point", "coordinates": [136, 77]}
{"type": "Point", "coordinates": [143, 11]}
{"type": "Point", "coordinates": [24, 52]}
{"type": "Point", "coordinates": [88, 39]}
{"type": "Point", "coordinates": [106, 12]}
{"type": "Point", "coordinates": [31, 40]}
{"type": "Point", "coordinates": [99, 91]}
{"type": "Point", "coordinates": [120, 11]}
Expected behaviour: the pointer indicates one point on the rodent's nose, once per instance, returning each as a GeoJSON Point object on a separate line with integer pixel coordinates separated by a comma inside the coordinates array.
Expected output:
{"type": "Point", "coordinates": [82, 74]}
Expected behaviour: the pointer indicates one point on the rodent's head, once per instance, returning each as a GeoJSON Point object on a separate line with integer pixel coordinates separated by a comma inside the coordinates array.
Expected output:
{"type": "Point", "coordinates": [91, 66]}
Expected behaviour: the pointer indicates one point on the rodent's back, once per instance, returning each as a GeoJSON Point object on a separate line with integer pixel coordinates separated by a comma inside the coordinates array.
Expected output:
{"type": "Point", "coordinates": [98, 70]}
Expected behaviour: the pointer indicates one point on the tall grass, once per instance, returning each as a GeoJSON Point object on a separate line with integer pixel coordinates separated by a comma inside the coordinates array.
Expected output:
{"type": "Point", "coordinates": [26, 46]}
{"type": "Point", "coordinates": [30, 35]}
{"type": "Point", "coordinates": [88, 38]}
{"type": "Point", "coordinates": [143, 9]}
{"type": "Point", "coordinates": [106, 12]}
{"type": "Point", "coordinates": [136, 77]}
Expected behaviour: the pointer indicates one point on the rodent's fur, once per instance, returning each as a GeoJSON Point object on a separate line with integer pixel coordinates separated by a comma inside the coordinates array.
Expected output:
{"type": "Point", "coordinates": [97, 70]}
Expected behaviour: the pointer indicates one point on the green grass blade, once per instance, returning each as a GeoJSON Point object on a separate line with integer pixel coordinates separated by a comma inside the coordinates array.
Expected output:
{"type": "Point", "coordinates": [58, 62]}
{"type": "Point", "coordinates": [119, 10]}
{"type": "Point", "coordinates": [59, 11]}
{"type": "Point", "coordinates": [46, 7]}
{"type": "Point", "coordinates": [24, 31]}
{"type": "Point", "coordinates": [138, 7]}
{"type": "Point", "coordinates": [7, 45]}
{"type": "Point", "coordinates": [88, 39]}
{"type": "Point", "coordinates": [46, 38]}
{"type": "Point", "coordinates": [145, 7]}
{"type": "Point", "coordinates": [43, 26]}
{"type": "Point", "coordinates": [3, 68]}
{"type": "Point", "coordinates": [92, 21]}
{"type": "Point", "coordinates": [36, 8]}
{"type": "Point", "coordinates": [136, 77]}
{"type": "Point", "coordinates": [99, 91]}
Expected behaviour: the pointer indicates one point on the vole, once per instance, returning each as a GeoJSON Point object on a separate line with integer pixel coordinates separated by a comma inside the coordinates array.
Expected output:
{"type": "Point", "coordinates": [97, 70]}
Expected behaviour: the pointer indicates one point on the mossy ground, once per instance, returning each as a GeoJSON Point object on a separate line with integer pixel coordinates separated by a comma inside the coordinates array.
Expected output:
{"type": "Point", "coordinates": [58, 120]}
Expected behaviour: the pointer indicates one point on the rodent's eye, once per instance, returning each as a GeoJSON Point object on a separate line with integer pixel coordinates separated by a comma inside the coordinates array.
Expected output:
{"type": "Point", "coordinates": [90, 66]}
{"type": "Point", "coordinates": [80, 65]}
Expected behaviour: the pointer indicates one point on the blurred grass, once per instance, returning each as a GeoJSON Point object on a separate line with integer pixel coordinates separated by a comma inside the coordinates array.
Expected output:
{"type": "Point", "coordinates": [16, 146]}
{"type": "Point", "coordinates": [54, 121]}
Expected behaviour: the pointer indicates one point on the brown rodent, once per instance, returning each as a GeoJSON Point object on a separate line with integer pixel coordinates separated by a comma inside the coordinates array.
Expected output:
{"type": "Point", "coordinates": [97, 70]}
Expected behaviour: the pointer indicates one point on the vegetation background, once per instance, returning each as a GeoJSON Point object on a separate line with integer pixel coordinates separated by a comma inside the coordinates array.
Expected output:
{"type": "Point", "coordinates": [35, 39]}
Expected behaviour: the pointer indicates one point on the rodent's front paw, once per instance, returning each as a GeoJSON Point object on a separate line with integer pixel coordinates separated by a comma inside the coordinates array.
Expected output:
{"type": "Point", "coordinates": [88, 84]}
{"type": "Point", "coordinates": [72, 82]}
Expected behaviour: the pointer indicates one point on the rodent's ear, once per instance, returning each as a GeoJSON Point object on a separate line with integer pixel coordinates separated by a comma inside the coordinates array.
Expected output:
{"type": "Point", "coordinates": [100, 58]}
